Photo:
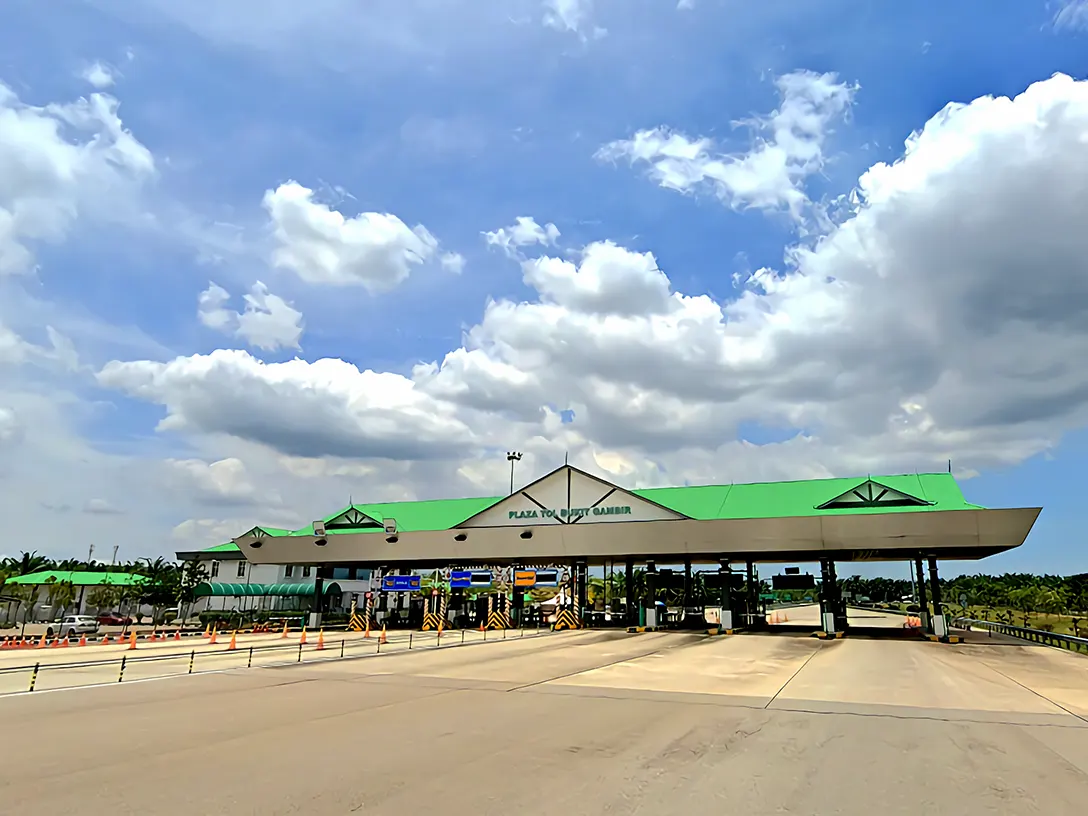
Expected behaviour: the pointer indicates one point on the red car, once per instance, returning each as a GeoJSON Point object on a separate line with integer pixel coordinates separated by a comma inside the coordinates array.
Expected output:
{"type": "Point", "coordinates": [114, 619]}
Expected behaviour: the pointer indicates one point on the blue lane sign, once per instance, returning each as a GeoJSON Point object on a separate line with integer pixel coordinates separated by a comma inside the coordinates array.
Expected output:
{"type": "Point", "coordinates": [401, 583]}
{"type": "Point", "coordinates": [460, 579]}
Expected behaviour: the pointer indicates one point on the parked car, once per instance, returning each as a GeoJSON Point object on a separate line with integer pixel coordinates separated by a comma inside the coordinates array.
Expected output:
{"type": "Point", "coordinates": [73, 625]}
{"type": "Point", "coordinates": [114, 619]}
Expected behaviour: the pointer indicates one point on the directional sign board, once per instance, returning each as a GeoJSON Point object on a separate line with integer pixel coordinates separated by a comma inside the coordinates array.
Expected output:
{"type": "Point", "coordinates": [401, 583]}
{"type": "Point", "coordinates": [547, 577]}
{"type": "Point", "coordinates": [463, 579]}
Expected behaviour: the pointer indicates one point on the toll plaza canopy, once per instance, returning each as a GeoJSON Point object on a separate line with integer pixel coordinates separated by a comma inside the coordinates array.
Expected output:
{"type": "Point", "coordinates": [570, 514]}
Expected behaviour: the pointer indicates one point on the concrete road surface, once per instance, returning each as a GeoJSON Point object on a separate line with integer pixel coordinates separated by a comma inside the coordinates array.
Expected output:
{"type": "Point", "coordinates": [578, 723]}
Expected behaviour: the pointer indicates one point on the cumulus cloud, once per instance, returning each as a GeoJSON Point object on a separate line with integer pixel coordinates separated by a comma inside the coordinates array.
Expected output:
{"type": "Point", "coordinates": [58, 162]}
{"type": "Point", "coordinates": [770, 176]}
{"type": "Point", "coordinates": [942, 318]}
{"type": "Point", "coordinates": [453, 262]}
{"type": "Point", "coordinates": [226, 481]}
{"type": "Point", "coordinates": [100, 507]}
{"type": "Point", "coordinates": [524, 232]}
{"type": "Point", "coordinates": [322, 246]}
{"type": "Point", "coordinates": [98, 75]}
{"type": "Point", "coordinates": [573, 16]}
{"type": "Point", "coordinates": [268, 321]}
{"type": "Point", "coordinates": [325, 408]}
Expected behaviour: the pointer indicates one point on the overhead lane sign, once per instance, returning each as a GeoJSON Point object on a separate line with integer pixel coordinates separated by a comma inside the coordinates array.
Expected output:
{"type": "Point", "coordinates": [464, 579]}
{"type": "Point", "coordinates": [401, 583]}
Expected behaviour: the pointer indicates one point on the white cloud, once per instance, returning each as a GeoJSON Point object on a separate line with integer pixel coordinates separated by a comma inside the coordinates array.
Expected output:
{"type": "Point", "coordinates": [771, 175]}
{"type": "Point", "coordinates": [320, 245]}
{"type": "Point", "coordinates": [268, 322]}
{"type": "Point", "coordinates": [943, 318]}
{"type": "Point", "coordinates": [453, 262]}
{"type": "Point", "coordinates": [225, 481]}
{"type": "Point", "coordinates": [572, 15]}
{"type": "Point", "coordinates": [10, 427]}
{"type": "Point", "coordinates": [1072, 15]}
{"type": "Point", "coordinates": [525, 232]}
{"type": "Point", "coordinates": [685, 5]}
{"type": "Point", "coordinates": [101, 507]}
{"type": "Point", "coordinates": [48, 178]}
{"type": "Point", "coordinates": [14, 350]}
{"type": "Point", "coordinates": [98, 75]}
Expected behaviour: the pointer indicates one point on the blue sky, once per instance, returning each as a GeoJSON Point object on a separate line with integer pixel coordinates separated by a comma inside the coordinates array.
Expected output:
{"type": "Point", "coordinates": [462, 117]}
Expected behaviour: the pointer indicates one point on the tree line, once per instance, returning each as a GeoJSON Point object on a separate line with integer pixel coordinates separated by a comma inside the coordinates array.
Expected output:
{"type": "Point", "coordinates": [167, 584]}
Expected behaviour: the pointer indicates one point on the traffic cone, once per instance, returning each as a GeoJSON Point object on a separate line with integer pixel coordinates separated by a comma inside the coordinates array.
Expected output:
{"type": "Point", "coordinates": [64, 641]}
{"type": "Point", "coordinates": [212, 639]}
{"type": "Point", "coordinates": [105, 640]}
{"type": "Point", "coordinates": [366, 632]}
{"type": "Point", "coordinates": [482, 627]}
{"type": "Point", "coordinates": [785, 617]}
{"type": "Point", "coordinates": [41, 643]}
{"type": "Point", "coordinates": [132, 641]}
{"type": "Point", "coordinates": [321, 640]}
{"type": "Point", "coordinates": [55, 643]}
{"type": "Point", "coordinates": [302, 640]}
{"type": "Point", "coordinates": [284, 635]}
{"type": "Point", "coordinates": [177, 634]}
{"type": "Point", "coordinates": [383, 638]}
{"type": "Point", "coordinates": [154, 636]}
{"type": "Point", "coordinates": [83, 640]}
{"type": "Point", "coordinates": [208, 630]}
{"type": "Point", "coordinates": [233, 641]}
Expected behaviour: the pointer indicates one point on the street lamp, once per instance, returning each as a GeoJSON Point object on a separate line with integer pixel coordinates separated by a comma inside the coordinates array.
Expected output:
{"type": "Point", "coordinates": [511, 457]}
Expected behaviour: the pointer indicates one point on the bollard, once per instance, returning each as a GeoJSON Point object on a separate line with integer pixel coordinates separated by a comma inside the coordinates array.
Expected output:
{"type": "Point", "coordinates": [121, 674]}
{"type": "Point", "coordinates": [410, 640]}
{"type": "Point", "coordinates": [462, 637]}
{"type": "Point", "coordinates": [192, 657]}
{"type": "Point", "coordinates": [34, 676]}
{"type": "Point", "coordinates": [249, 663]}
{"type": "Point", "coordinates": [299, 653]}
{"type": "Point", "coordinates": [379, 647]}
{"type": "Point", "coordinates": [504, 633]}
{"type": "Point", "coordinates": [341, 647]}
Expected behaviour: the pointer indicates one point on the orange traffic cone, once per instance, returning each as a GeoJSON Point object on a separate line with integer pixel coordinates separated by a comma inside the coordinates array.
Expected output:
{"type": "Point", "coordinates": [208, 630]}
{"type": "Point", "coordinates": [284, 635]}
{"type": "Point", "coordinates": [302, 640]}
{"type": "Point", "coordinates": [233, 641]}
{"type": "Point", "coordinates": [154, 636]}
{"type": "Point", "coordinates": [105, 640]}
{"type": "Point", "coordinates": [41, 643]}
{"type": "Point", "coordinates": [482, 627]}
{"type": "Point", "coordinates": [83, 640]}
{"type": "Point", "coordinates": [54, 643]}
{"type": "Point", "coordinates": [366, 632]}
{"type": "Point", "coordinates": [321, 640]}
{"type": "Point", "coordinates": [177, 634]}
{"type": "Point", "coordinates": [132, 641]}
{"type": "Point", "coordinates": [383, 638]}
{"type": "Point", "coordinates": [785, 617]}
{"type": "Point", "coordinates": [64, 641]}
{"type": "Point", "coordinates": [212, 639]}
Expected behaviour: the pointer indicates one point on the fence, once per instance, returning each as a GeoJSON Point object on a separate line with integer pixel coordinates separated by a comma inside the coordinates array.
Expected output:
{"type": "Point", "coordinates": [1068, 642]}
{"type": "Point", "coordinates": [48, 675]}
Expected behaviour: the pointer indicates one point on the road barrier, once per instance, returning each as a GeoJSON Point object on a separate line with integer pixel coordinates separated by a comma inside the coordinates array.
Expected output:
{"type": "Point", "coordinates": [227, 660]}
{"type": "Point", "coordinates": [1067, 642]}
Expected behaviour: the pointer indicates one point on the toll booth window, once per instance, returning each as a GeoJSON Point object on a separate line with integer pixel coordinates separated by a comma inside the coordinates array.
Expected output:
{"type": "Point", "coordinates": [341, 573]}
{"type": "Point", "coordinates": [289, 571]}
{"type": "Point", "coordinates": [241, 569]}
{"type": "Point", "coordinates": [215, 569]}
{"type": "Point", "coordinates": [305, 572]}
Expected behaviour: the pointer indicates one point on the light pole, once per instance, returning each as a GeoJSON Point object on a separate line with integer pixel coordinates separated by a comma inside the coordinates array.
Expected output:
{"type": "Point", "coordinates": [511, 457]}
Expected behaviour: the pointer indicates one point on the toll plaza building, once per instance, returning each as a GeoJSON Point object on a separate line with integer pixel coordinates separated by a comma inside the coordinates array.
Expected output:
{"type": "Point", "coordinates": [570, 520]}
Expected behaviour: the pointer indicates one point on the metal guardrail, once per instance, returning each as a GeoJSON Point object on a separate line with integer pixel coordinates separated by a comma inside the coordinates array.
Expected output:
{"type": "Point", "coordinates": [294, 653]}
{"type": "Point", "coordinates": [1068, 642]}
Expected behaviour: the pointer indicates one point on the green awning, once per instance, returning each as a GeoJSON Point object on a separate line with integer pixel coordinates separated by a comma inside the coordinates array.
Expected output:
{"type": "Point", "coordinates": [236, 590]}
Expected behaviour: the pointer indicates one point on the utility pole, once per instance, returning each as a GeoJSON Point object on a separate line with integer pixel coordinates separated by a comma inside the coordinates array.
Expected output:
{"type": "Point", "coordinates": [511, 457]}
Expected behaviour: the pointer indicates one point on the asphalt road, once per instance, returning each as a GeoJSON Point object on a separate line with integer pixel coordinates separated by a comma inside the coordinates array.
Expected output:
{"type": "Point", "coordinates": [579, 723]}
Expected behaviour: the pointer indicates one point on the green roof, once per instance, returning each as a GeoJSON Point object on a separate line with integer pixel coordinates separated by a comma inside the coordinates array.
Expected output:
{"type": "Point", "coordinates": [913, 493]}
{"type": "Point", "coordinates": [230, 546]}
{"type": "Point", "coordinates": [78, 578]}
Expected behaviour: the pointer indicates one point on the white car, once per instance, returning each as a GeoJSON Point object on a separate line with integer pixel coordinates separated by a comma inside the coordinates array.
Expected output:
{"type": "Point", "coordinates": [73, 625]}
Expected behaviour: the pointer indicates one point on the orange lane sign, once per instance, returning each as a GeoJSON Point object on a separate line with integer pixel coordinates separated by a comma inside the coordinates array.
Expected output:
{"type": "Point", "coordinates": [524, 578]}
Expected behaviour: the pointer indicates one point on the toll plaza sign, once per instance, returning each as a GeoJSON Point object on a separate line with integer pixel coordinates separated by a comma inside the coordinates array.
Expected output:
{"type": "Point", "coordinates": [571, 513]}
